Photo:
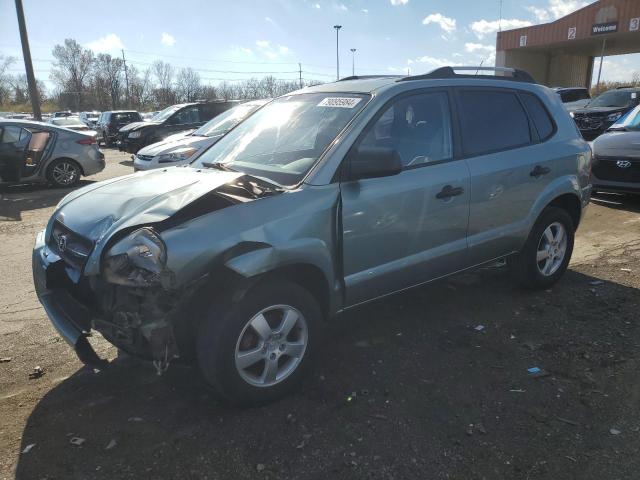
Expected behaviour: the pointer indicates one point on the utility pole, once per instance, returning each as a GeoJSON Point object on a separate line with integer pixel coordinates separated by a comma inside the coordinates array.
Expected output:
{"type": "Point", "coordinates": [300, 73]}
{"type": "Point", "coordinates": [126, 79]}
{"type": "Point", "coordinates": [337, 27]}
{"type": "Point", "coordinates": [604, 44]}
{"type": "Point", "coordinates": [353, 62]}
{"type": "Point", "coordinates": [26, 54]}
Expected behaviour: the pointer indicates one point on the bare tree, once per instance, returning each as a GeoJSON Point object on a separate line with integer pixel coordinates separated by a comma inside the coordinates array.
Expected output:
{"type": "Point", "coordinates": [188, 85]}
{"type": "Point", "coordinates": [108, 76]}
{"type": "Point", "coordinates": [164, 73]}
{"type": "Point", "coordinates": [140, 88]}
{"type": "Point", "coordinates": [20, 89]}
{"type": "Point", "coordinates": [72, 69]}
{"type": "Point", "coordinates": [5, 78]}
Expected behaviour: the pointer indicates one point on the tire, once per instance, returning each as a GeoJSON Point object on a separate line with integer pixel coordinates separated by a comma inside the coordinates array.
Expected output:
{"type": "Point", "coordinates": [64, 173]}
{"type": "Point", "coordinates": [537, 272]}
{"type": "Point", "coordinates": [227, 333]}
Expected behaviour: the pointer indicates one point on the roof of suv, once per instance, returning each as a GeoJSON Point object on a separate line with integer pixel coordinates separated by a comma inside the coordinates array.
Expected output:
{"type": "Point", "coordinates": [371, 83]}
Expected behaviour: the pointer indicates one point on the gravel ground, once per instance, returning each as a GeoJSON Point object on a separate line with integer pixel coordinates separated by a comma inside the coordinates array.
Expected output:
{"type": "Point", "coordinates": [405, 388]}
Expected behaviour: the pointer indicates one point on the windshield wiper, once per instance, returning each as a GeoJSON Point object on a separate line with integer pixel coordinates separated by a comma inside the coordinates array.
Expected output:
{"type": "Point", "coordinates": [218, 166]}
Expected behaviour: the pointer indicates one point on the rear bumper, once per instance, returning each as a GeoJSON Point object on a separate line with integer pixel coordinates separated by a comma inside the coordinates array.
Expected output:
{"type": "Point", "coordinates": [68, 317]}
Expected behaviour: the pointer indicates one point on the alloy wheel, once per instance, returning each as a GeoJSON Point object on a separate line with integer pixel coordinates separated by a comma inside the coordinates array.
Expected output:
{"type": "Point", "coordinates": [271, 345]}
{"type": "Point", "coordinates": [552, 249]}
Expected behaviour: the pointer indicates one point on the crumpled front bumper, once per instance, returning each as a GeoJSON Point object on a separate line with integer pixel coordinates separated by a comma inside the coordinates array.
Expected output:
{"type": "Point", "coordinates": [66, 314]}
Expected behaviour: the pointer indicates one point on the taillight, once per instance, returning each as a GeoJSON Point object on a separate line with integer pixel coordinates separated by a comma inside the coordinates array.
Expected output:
{"type": "Point", "coordinates": [87, 141]}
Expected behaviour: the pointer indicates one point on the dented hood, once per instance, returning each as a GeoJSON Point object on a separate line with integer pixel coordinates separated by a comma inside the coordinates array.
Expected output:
{"type": "Point", "coordinates": [100, 209]}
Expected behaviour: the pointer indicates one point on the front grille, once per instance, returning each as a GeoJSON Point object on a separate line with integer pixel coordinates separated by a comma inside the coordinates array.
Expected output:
{"type": "Point", "coordinates": [606, 168]}
{"type": "Point", "coordinates": [68, 245]}
{"type": "Point", "coordinates": [585, 122]}
{"type": "Point", "coordinates": [144, 158]}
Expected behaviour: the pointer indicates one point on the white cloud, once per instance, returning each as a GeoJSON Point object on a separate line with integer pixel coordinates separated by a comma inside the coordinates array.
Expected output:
{"type": "Point", "coordinates": [342, 7]}
{"type": "Point", "coordinates": [167, 39]}
{"type": "Point", "coordinates": [364, 10]}
{"type": "Point", "coordinates": [399, 2]}
{"type": "Point", "coordinates": [556, 9]}
{"type": "Point", "coordinates": [272, 51]}
{"type": "Point", "coordinates": [486, 27]}
{"type": "Point", "coordinates": [478, 47]}
{"type": "Point", "coordinates": [541, 14]}
{"type": "Point", "coordinates": [447, 24]}
{"type": "Point", "coordinates": [316, 5]}
{"type": "Point", "coordinates": [110, 43]}
{"type": "Point", "coordinates": [269, 20]}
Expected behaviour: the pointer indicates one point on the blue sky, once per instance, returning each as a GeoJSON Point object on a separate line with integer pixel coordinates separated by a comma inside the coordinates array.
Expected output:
{"type": "Point", "coordinates": [244, 38]}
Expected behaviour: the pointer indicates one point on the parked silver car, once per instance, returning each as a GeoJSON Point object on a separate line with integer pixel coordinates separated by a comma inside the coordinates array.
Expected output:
{"type": "Point", "coordinates": [616, 156]}
{"type": "Point", "coordinates": [324, 199]}
{"type": "Point", "coordinates": [184, 147]}
{"type": "Point", "coordinates": [39, 152]}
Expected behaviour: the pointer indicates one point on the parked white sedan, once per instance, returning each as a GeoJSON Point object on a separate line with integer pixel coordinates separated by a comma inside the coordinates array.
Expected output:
{"type": "Point", "coordinates": [184, 147]}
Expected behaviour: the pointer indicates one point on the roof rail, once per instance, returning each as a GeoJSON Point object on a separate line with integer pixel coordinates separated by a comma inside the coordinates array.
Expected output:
{"type": "Point", "coordinates": [512, 74]}
{"type": "Point", "coordinates": [367, 77]}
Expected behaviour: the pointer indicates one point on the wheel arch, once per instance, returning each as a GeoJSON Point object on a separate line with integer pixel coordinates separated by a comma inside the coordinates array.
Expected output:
{"type": "Point", "coordinates": [571, 204]}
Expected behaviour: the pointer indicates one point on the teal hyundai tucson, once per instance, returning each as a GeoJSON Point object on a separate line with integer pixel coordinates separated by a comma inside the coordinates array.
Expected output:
{"type": "Point", "coordinates": [324, 199]}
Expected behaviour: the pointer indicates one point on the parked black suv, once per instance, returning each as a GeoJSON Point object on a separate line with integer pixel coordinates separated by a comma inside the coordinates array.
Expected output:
{"type": "Point", "coordinates": [604, 110]}
{"type": "Point", "coordinates": [173, 119]}
{"type": "Point", "coordinates": [111, 121]}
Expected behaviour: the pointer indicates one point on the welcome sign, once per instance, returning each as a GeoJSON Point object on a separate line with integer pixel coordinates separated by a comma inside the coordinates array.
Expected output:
{"type": "Point", "coordinates": [600, 28]}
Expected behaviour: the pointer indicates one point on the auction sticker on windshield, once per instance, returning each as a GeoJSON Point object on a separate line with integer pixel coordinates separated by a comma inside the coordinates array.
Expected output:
{"type": "Point", "coordinates": [340, 102]}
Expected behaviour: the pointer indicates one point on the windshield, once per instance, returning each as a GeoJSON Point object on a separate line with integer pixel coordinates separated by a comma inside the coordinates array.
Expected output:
{"type": "Point", "coordinates": [226, 121]}
{"type": "Point", "coordinates": [162, 115]}
{"type": "Point", "coordinates": [614, 98]}
{"type": "Point", "coordinates": [284, 139]}
{"type": "Point", "coordinates": [630, 121]}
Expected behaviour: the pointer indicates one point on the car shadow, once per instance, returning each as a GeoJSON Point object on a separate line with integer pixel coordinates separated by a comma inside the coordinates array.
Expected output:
{"type": "Point", "coordinates": [16, 199]}
{"type": "Point", "coordinates": [617, 201]}
{"type": "Point", "coordinates": [441, 368]}
{"type": "Point", "coordinates": [126, 163]}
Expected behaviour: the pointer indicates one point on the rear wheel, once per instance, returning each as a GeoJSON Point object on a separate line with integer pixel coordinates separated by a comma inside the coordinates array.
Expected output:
{"type": "Point", "coordinates": [63, 172]}
{"type": "Point", "coordinates": [547, 252]}
{"type": "Point", "coordinates": [259, 349]}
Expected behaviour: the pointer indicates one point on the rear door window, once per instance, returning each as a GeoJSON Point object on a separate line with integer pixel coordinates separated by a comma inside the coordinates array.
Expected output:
{"type": "Point", "coordinates": [491, 121]}
{"type": "Point", "coordinates": [539, 115]}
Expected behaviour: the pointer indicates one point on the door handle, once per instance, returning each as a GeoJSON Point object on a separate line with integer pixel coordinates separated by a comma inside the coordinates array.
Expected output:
{"type": "Point", "coordinates": [448, 191]}
{"type": "Point", "coordinates": [539, 171]}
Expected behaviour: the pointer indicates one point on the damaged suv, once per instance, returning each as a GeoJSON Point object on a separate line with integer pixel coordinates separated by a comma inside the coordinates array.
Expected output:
{"type": "Point", "coordinates": [324, 199]}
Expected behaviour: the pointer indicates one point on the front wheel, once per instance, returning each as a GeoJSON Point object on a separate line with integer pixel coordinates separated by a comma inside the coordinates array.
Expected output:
{"type": "Point", "coordinates": [260, 348]}
{"type": "Point", "coordinates": [547, 252]}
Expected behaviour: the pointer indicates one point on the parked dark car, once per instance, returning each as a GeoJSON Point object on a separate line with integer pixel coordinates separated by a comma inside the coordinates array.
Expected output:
{"type": "Point", "coordinates": [616, 156]}
{"type": "Point", "coordinates": [573, 97]}
{"type": "Point", "coordinates": [173, 119]}
{"type": "Point", "coordinates": [605, 109]}
{"type": "Point", "coordinates": [111, 121]}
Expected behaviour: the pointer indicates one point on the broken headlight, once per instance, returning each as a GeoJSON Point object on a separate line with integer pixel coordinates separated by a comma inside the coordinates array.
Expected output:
{"type": "Point", "coordinates": [137, 260]}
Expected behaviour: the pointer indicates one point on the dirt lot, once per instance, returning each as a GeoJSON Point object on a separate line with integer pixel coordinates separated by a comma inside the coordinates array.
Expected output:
{"type": "Point", "coordinates": [405, 387]}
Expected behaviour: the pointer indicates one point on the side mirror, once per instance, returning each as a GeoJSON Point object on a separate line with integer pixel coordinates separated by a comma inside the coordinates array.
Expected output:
{"type": "Point", "coordinates": [374, 162]}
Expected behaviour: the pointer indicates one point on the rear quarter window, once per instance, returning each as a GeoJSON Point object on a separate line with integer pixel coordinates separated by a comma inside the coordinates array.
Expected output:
{"type": "Point", "coordinates": [491, 121]}
{"type": "Point", "coordinates": [539, 115]}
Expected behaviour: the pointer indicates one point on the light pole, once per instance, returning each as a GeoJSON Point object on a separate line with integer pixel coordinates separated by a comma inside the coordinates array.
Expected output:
{"type": "Point", "coordinates": [28, 66]}
{"type": "Point", "coordinates": [353, 62]}
{"type": "Point", "coordinates": [337, 27]}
